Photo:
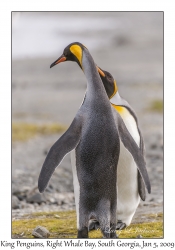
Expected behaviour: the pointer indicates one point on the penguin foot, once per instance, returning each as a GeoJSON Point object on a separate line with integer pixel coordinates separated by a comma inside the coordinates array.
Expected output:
{"type": "Point", "coordinates": [93, 225]}
{"type": "Point", "coordinates": [114, 236]}
{"type": "Point", "coordinates": [83, 233]}
{"type": "Point", "coordinates": [120, 225]}
{"type": "Point", "coordinates": [110, 233]}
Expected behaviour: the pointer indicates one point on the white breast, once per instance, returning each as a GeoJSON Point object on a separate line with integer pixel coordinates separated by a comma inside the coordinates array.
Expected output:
{"type": "Point", "coordinates": [127, 174]}
{"type": "Point", "coordinates": [131, 125]}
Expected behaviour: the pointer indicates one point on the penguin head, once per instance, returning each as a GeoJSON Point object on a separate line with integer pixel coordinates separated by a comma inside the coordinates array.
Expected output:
{"type": "Point", "coordinates": [73, 52]}
{"type": "Point", "coordinates": [108, 82]}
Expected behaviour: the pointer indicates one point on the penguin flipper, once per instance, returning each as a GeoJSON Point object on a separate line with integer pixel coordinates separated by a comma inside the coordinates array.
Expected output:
{"type": "Point", "coordinates": [67, 142]}
{"type": "Point", "coordinates": [135, 151]}
{"type": "Point", "coordinates": [141, 187]}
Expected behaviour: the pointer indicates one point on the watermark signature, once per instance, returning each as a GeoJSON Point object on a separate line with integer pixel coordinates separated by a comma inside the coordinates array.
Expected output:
{"type": "Point", "coordinates": [130, 229]}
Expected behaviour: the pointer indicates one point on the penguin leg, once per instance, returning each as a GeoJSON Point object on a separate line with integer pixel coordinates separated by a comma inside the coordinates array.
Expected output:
{"type": "Point", "coordinates": [103, 216]}
{"type": "Point", "coordinates": [113, 234]}
{"type": "Point", "coordinates": [105, 229]}
{"type": "Point", "coordinates": [95, 225]}
{"type": "Point", "coordinates": [107, 219]}
{"type": "Point", "coordinates": [82, 233]}
{"type": "Point", "coordinates": [83, 222]}
{"type": "Point", "coordinates": [109, 230]}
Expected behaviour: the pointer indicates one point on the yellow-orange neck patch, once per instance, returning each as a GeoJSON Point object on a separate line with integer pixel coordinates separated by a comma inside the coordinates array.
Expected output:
{"type": "Point", "coordinates": [119, 109]}
{"type": "Point", "coordinates": [77, 51]}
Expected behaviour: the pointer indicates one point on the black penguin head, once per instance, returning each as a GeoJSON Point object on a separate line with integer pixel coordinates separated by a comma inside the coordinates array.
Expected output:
{"type": "Point", "coordinates": [108, 82]}
{"type": "Point", "coordinates": [73, 52]}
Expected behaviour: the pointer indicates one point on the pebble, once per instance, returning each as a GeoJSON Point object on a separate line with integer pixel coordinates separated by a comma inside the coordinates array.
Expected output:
{"type": "Point", "coordinates": [139, 236]}
{"type": "Point", "coordinates": [59, 198]}
{"type": "Point", "coordinates": [20, 190]}
{"type": "Point", "coordinates": [25, 205]}
{"type": "Point", "coordinates": [36, 198]}
{"type": "Point", "coordinates": [41, 232]}
{"type": "Point", "coordinates": [57, 216]}
{"type": "Point", "coordinates": [15, 202]}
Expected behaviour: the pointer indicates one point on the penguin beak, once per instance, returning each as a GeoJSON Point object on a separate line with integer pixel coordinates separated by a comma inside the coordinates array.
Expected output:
{"type": "Point", "coordinates": [59, 60]}
{"type": "Point", "coordinates": [100, 71]}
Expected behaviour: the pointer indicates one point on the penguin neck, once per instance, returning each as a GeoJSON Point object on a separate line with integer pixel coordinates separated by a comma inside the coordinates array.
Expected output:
{"type": "Point", "coordinates": [116, 99]}
{"type": "Point", "coordinates": [94, 84]}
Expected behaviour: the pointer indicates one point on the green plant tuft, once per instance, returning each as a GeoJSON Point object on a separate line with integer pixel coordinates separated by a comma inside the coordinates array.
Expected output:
{"type": "Point", "coordinates": [24, 131]}
{"type": "Point", "coordinates": [156, 106]}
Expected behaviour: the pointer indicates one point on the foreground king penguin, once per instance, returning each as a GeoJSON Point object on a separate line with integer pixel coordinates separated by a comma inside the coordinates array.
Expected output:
{"type": "Point", "coordinates": [130, 185]}
{"type": "Point", "coordinates": [95, 134]}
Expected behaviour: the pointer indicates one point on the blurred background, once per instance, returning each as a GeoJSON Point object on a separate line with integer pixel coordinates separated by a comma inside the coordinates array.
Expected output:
{"type": "Point", "coordinates": [44, 101]}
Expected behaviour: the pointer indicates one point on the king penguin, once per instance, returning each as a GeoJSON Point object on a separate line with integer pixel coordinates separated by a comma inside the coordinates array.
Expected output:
{"type": "Point", "coordinates": [130, 185]}
{"type": "Point", "coordinates": [97, 148]}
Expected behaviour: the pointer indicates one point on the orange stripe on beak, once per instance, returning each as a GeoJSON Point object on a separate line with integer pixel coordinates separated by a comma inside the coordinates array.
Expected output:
{"type": "Point", "coordinates": [100, 72]}
{"type": "Point", "coordinates": [59, 60]}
